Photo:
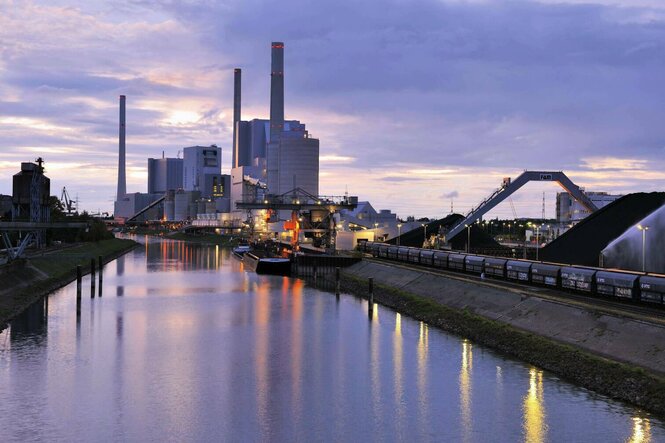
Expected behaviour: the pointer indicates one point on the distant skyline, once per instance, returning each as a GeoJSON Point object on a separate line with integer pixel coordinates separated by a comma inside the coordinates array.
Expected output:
{"type": "Point", "coordinates": [415, 103]}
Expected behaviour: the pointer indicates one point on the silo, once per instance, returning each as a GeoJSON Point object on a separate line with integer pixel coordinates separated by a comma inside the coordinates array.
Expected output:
{"type": "Point", "coordinates": [193, 210]}
{"type": "Point", "coordinates": [181, 205]}
{"type": "Point", "coordinates": [299, 163]}
{"type": "Point", "coordinates": [169, 206]}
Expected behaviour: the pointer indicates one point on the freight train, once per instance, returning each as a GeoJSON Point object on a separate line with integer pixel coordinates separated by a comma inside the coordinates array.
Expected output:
{"type": "Point", "coordinates": [623, 285]}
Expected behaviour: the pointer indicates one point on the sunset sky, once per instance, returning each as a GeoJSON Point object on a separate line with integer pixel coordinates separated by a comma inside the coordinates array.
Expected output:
{"type": "Point", "coordinates": [415, 102]}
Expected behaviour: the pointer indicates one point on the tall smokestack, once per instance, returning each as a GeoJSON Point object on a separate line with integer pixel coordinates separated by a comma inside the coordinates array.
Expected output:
{"type": "Point", "coordinates": [237, 74]}
{"type": "Point", "coordinates": [122, 180]}
{"type": "Point", "coordinates": [277, 92]}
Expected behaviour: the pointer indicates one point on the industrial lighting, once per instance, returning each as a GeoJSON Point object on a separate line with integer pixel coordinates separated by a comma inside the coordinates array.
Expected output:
{"type": "Point", "coordinates": [399, 232]}
{"type": "Point", "coordinates": [644, 230]}
{"type": "Point", "coordinates": [468, 239]}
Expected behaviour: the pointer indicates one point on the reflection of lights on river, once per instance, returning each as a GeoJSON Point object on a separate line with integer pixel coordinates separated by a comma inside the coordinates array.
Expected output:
{"type": "Point", "coordinates": [397, 370]}
{"type": "Point", "coordinates": [296, 346]}
{"type": "Point", "coordinates": [535, 427]}
{"type": "Point", "coordinates": [641, 431]}
{"type": "Point", "coordinates": [423, 338]}
{"type": "Point", "coordinates": [465, 388]}
{"type": "Point", "coordinates": [262, 352]}
{"type": "Point", "coordinates": [375, 313]}
{"type": "Point", "coordinates": [375, 366]}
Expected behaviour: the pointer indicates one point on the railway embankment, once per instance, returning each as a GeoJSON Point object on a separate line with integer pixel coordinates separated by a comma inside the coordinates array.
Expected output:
{"type": "Point", "coordinates": [622, 356]}
{"type": "Point", "coordinates": [25, 281]}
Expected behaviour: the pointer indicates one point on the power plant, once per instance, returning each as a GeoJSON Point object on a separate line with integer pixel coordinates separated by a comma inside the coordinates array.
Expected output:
{"type": "Point", "coordinates": [270, 159]}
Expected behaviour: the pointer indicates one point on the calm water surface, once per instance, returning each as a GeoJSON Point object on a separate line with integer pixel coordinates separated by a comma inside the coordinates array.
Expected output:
{"type": "Point", "coordinates": [185, 345]}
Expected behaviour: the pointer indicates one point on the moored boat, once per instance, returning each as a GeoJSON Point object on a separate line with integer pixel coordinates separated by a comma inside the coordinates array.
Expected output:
{"type": "Point", "coordinates": [240, 251]}
{"type": "Point", "coordinates": [267, 265]}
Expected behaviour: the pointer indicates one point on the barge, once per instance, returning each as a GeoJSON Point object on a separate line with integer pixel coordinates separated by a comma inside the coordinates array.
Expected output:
{"type": "Point", "coordinates": [266, 265]}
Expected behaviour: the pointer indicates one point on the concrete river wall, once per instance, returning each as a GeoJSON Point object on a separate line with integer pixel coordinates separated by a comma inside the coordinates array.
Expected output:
{"type": "Point", "coordinates": [617, 354]}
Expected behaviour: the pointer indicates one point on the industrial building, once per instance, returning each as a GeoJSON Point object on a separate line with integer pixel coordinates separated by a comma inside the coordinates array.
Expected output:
{"type": "Point", "coordinates": [202, 169]}
{"type": "Point", "coordinates": [164, 174]}
{"type": "Point", "coordinates": [569, 210]}
{"type": "Point", "coordinates": [269, 157]}
{"type": "Point", "coordinates": [272, 156]}
{"type": "Point", "coordinates": [5, 207]}
{"type": "Point", "coordinates": [31, 191]}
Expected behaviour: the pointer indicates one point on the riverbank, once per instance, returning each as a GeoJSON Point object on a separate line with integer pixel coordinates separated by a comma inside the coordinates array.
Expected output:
{"type": "Point", "coordinates": [26, 281]}
{"type": "Point", "coordinates": [618, 357]}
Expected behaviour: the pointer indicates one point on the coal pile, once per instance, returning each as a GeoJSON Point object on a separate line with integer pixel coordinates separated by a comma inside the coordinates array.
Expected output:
{"type": "Point", "coordinates": [582, 244]}
{"type": "Point", "coordinates": [479, 238]}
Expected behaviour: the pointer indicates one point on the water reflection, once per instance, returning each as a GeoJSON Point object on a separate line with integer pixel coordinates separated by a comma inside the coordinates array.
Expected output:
{"type": "Point", "coordinates": [32, 323]}
{"type": "Point", "coordinates": [641, 430]}
{"type": "Point", "coordinates": [262, 354]}
{"type": "Point", "coordinates": [421, 381]}
{"type": "Point", "coordinates": [199, 350]}
{"type": "Point", "coordinates": [533, 406]}
{"type": "Point", "coordinates": [465, 389]}
{"type": "Point", "coordinates": [398, 354]}
{"type": "Point", "coordinates": [375, 369]}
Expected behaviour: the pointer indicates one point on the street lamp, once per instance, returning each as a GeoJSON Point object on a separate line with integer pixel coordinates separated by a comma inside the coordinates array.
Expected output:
{"type": "Point", "coordinates": [644, 230]}
{"type": "Point", "coordinates": [468, 238]}
{"type": "Point", "coordinates": [425, 234]}
{"type": "Point", "coordinates": [399, 232]}
{"type": "Point", "coordinates": [376, 228]}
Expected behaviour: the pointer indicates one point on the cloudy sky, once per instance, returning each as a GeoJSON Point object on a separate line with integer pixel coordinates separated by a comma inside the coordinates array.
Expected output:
{"type": "Point", "coordinates": [416, 102]}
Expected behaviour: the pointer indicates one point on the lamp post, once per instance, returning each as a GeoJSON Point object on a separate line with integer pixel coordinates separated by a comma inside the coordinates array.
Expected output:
{"type": "Point", "coordinates": [538, 231]}
{"type": "Point", "coordinates": [644, 230]}
{"type": "Point", "coordinates": [424, 225]}
{"type": "Point", "coordinates": [399, 232]}
{"type": "Point", "coordinates": [468, 238]}
{"type": "Point", "coordinates": [376, 228]}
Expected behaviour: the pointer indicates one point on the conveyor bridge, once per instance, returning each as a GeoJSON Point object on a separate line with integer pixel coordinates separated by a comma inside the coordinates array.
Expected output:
{"type": "Point", "coordinates": [509, 187]}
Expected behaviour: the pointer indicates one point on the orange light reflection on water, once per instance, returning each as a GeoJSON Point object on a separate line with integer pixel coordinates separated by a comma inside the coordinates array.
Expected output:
{"type": "Point", "coordinates": [641, 430]}
{"type": "Point", "coordinates": [533, 407]}
{"type": "Point", "coordinates": [465, 389]}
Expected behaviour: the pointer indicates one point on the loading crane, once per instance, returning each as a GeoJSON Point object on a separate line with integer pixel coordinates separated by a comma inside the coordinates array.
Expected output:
{"type": "Point", "coordinates": [509, 186]}
{"type": "Point", "coordinates": [71, 206]}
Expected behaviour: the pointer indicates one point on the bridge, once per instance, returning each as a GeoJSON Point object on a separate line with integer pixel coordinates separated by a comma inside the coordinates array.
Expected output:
{"type": "Point", "coordinates": [509, 187]}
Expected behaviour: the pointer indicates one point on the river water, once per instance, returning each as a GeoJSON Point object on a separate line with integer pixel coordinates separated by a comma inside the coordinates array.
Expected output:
{"type": "Point", "coordinates": [185, 345]}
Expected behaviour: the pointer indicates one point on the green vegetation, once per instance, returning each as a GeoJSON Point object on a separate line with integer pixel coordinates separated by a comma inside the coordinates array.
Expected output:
{"type": "Point", "coordinates": [58, 263]}
{"type": "Point", "coordinates": [27, 280]}
{"type": "Point", "coordinates": [617, 380]}
{"type": "Point", "coordinates": [96, 230]}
